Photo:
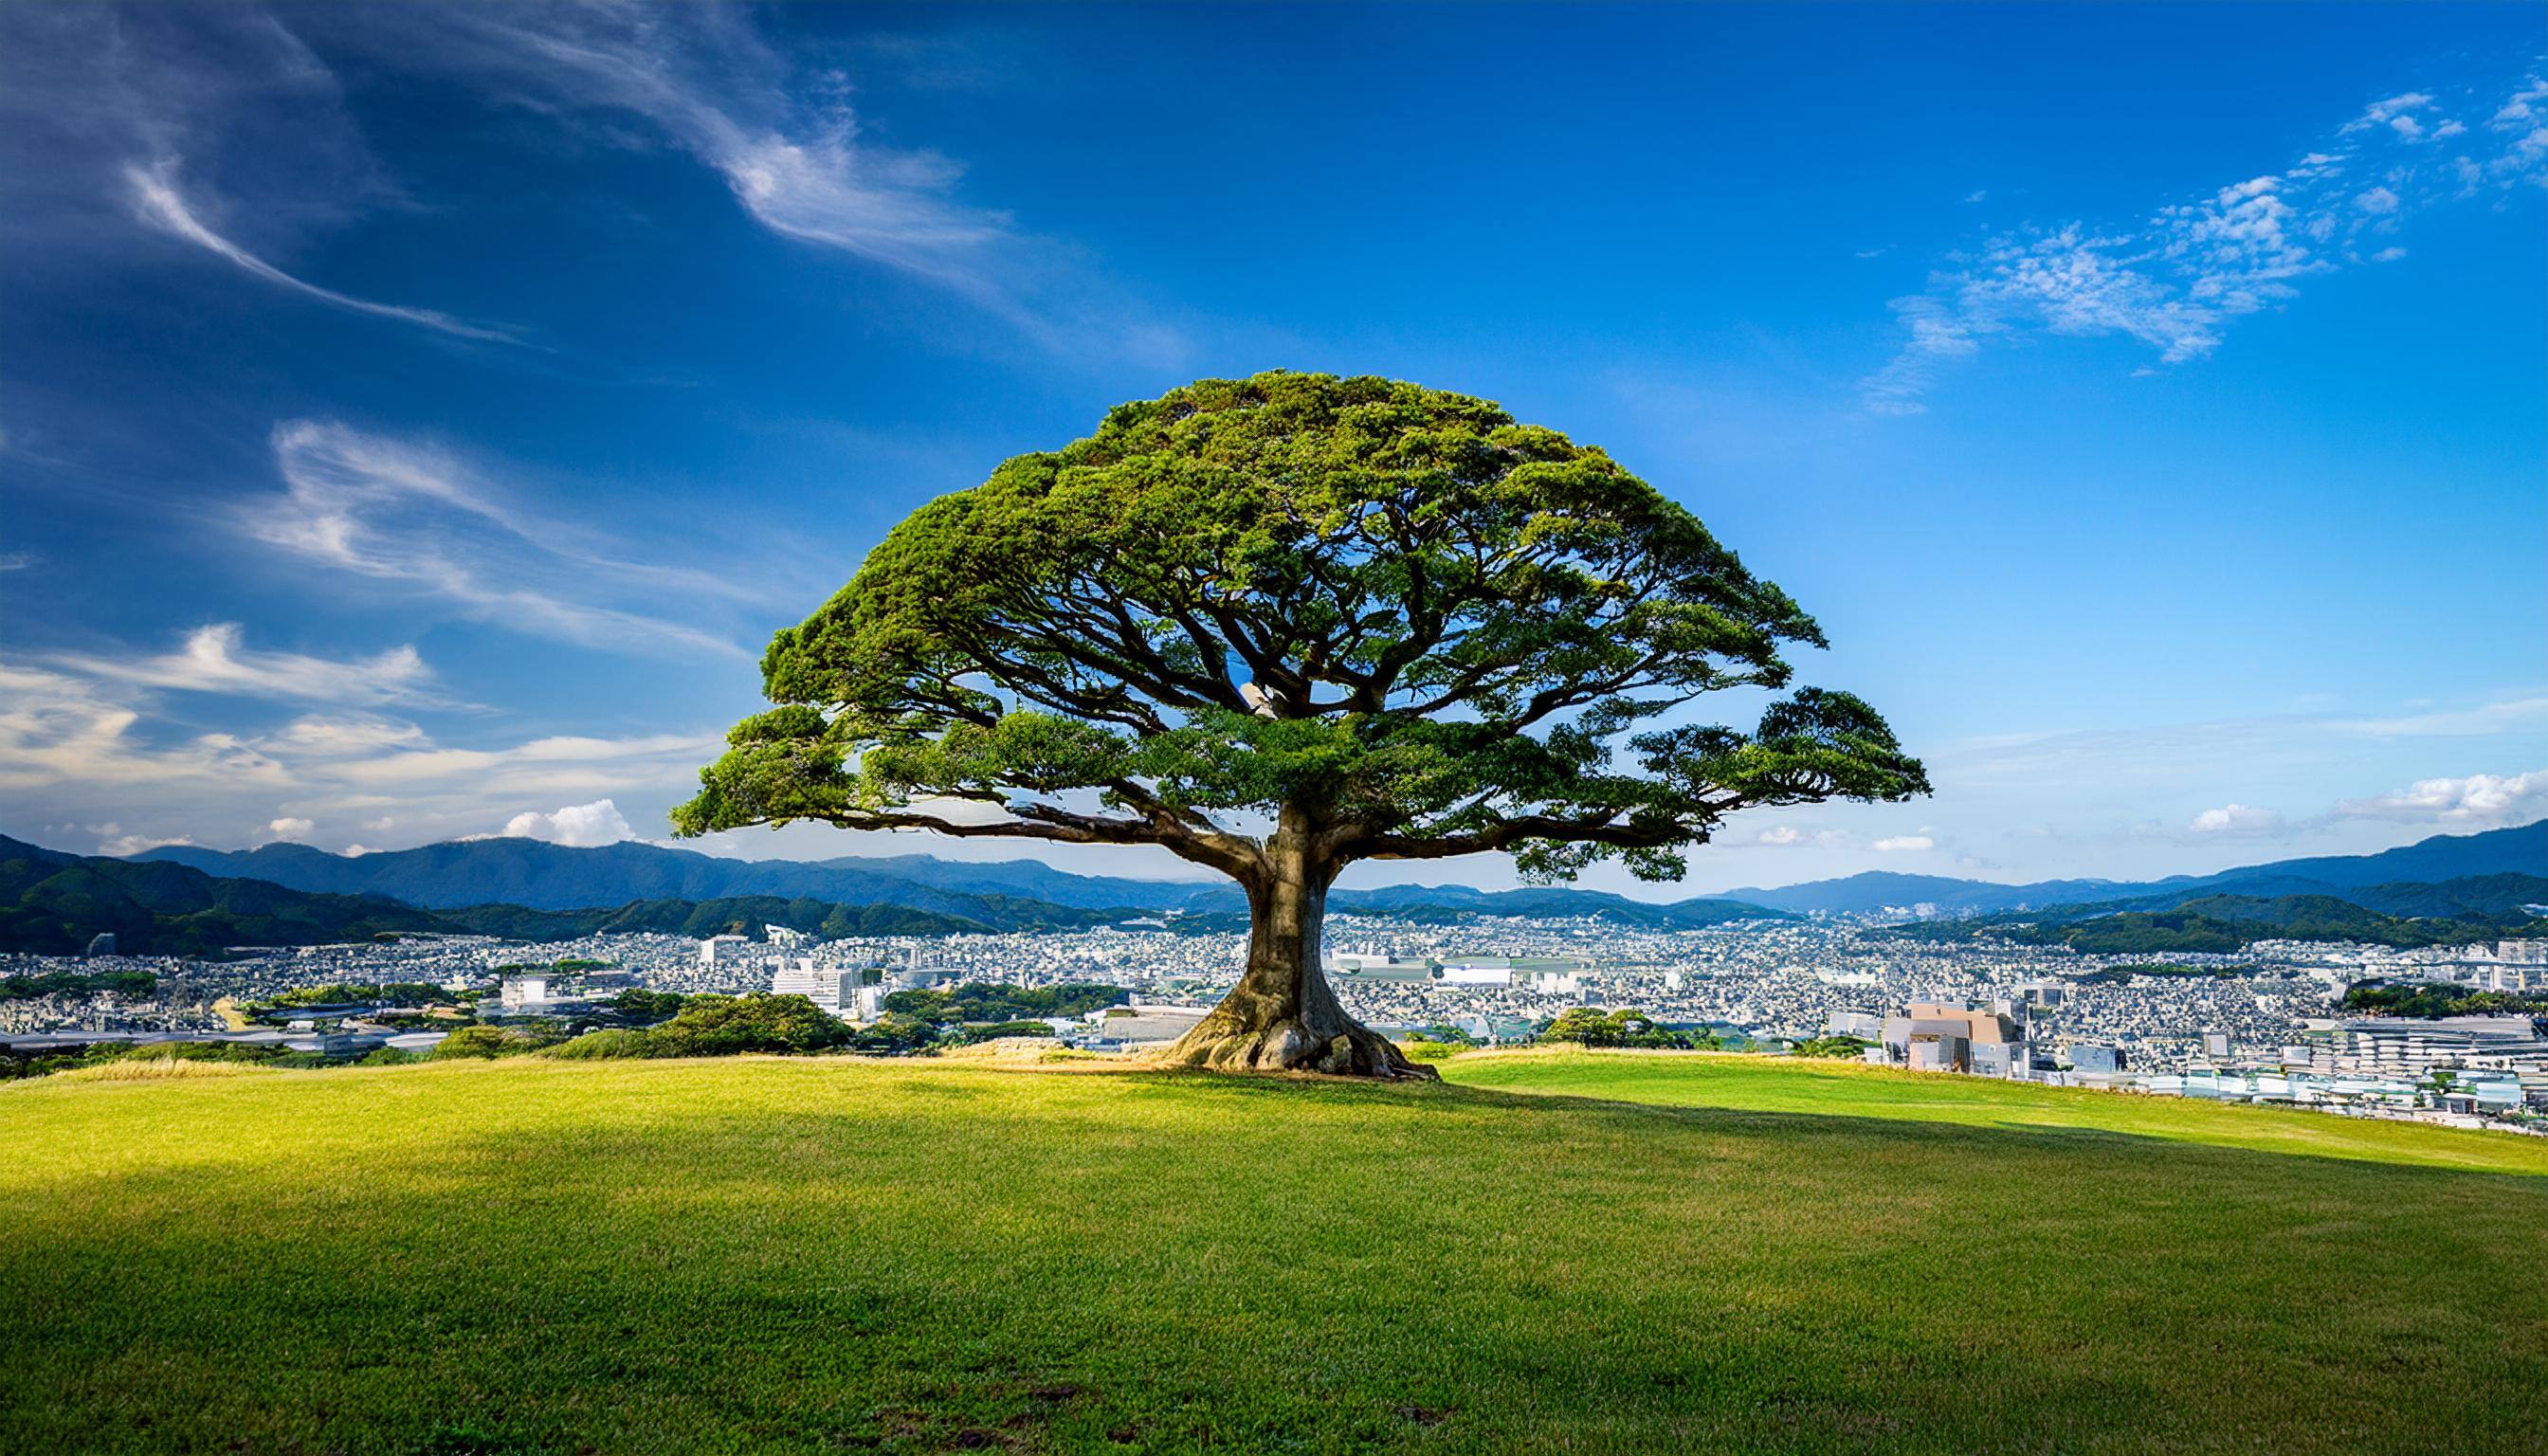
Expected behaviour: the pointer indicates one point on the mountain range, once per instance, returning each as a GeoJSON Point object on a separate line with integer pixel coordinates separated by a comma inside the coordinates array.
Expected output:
{"type": "Point", "coordinates": [545, 877]}
{"type": "Point", "coordinates": [184, 900]}
{"type": "Point", "coordinates": [2522, 850]}
{"type": "Point", "coordinates": [1006, 895]}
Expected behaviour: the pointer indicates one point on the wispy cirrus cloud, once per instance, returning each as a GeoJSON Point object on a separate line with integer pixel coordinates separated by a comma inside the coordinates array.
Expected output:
{"type": "Point", "coordinates": [178, 118]}
{"type": "Point", "coordinates": [227, 127]}
{"type": "Point", "coordinates": [2177, 280]}
{"type": "Point", "coordinates": [786, 142]}
{"type": "Point", "coordinates": [399, 511]}
{"type": "Point", "coordinates": [158, 202]}
{"type": "Point", "coordinates": [217, 659]}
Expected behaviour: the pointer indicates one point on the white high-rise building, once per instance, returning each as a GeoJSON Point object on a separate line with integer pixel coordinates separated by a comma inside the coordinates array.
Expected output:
{"type": "Point", "coordinates": [830, 987]}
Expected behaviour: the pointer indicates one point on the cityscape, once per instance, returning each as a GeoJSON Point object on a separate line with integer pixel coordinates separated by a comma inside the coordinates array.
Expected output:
{"type": "Point", "coordinates": [2265, 1023]}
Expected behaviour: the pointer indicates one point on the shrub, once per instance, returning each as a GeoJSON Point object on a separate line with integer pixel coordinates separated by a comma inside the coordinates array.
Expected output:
{"type": "Point", "coordinates": [1008, 1029]}
{"type": "Point", "coordinates": [485, 1041]}
{"type": "Point", "coordinates": [611, 1041]}
{"type": "Point", "coordinates": [1430, 1051]}
{"type": "Point", "coordinates": [721, 1026]}
{"type": "Point", "coordinates": [642, 1005]}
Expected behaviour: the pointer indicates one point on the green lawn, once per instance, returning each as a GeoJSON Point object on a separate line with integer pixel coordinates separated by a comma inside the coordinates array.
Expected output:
{"type": "Point", "coordinates": [1561, 1253]}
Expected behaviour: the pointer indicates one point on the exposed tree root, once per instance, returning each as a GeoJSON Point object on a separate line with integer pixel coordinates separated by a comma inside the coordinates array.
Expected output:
{"type": "Point", "coordinates": [1218, 1044]}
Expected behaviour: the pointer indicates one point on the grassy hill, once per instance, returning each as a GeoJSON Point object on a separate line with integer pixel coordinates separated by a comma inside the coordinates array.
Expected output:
{"type": "Point", "coordinates": [1554, 1251]}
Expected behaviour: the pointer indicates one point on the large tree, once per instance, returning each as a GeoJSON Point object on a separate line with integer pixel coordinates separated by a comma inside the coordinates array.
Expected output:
{"type": "Point", "coordinates": [1280, 625]}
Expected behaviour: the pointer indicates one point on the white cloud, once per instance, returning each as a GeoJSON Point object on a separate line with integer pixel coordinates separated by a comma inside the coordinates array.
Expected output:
{"type": "Point", "coordinates": [16, 561]}
{"type": "Point", "coordinates": [57, 728]}
{"type": "Point", "coordinates": [2523, 108]}
{"type": "Point", "coordinates": [157, 202]}
{"type": "Point", "coordinates": [290, 828]}
{"type": "Point", "coordinates": [2480, 800]}
{"type": "Point", "coordinates": [2235, 819]}
{"type": "Point", "coordinates": [116, 843]}
{"type": "Point", "coordinates": [1902, 842]}
{"type": "Point", "coordinates": [410, 513]}
{"type": "Point", "coordinates": [2390, 111]}
{"type": "Point", "coordinates": [215, 659]}
{"type": "Point", "coordinates": [2177, 281]}
{"type": "Point", "coordinates": [1783, 835]}
{"type": "Point", "coordinates": [75, 748]}
{"type": "Point", "coordinates": [579, 825]}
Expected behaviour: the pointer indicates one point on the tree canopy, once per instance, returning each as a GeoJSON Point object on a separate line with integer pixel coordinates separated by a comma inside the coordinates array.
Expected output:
{"type": "Point", "coordinates": [1415, 626]}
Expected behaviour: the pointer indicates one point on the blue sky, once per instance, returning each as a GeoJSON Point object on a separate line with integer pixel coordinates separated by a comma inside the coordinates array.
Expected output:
{"type": "Point", "coordinates": [415, 419]}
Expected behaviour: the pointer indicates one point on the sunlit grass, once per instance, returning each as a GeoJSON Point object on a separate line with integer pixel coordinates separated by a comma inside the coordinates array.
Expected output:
{"type": "Point", "coordinates": [158, 1069]}
{"type": "Point", "coordinates": [1766, 1084]}
{"type": "Point", "coordinates": [818, 1255]}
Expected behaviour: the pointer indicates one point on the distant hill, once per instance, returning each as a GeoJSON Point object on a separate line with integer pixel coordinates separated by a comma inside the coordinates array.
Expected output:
{"type": "Point", "coordinates": [1451, 903]}
{"type": "Point", "coordinates": [1010, 894]}
{"type": "Point", "coordinates": [52, 903]}
{"type": "Point", "coordinates": [1879, 891]}
{"type": "Point", "coordinates": [545, 877]}
{"type": "Point", "coordinates": [2477, 876]}
{"type": "Point", "coordinates": [2222, 924]}
{"type": "Point", "coordinates": [2517, 851]}
{"type": "Point", "coordinates": [734, 915]}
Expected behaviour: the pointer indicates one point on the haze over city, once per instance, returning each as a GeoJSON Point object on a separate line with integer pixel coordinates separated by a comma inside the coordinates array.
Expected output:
{"type": "Point", "coordinates": [418, 421]}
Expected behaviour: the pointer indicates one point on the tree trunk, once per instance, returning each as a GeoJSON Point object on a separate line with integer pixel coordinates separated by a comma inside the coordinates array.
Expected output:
{"type": "Point", "coordinates": [1282, 1016]}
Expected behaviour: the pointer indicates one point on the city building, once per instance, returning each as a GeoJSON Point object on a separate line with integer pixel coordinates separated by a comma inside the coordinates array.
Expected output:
{"type": "Point", "coordinates": [1929, 1037]}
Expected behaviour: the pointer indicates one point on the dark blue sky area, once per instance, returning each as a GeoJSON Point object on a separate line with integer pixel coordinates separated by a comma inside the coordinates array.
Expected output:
{"type": "Point", "coordinates": [414, 419]}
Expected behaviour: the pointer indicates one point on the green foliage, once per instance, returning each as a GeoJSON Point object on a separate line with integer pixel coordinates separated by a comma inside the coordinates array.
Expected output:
{"type": "Point", "coordinates": [1833, 1047]}
{"type": "Point", "coordinates": [1428, 628]}
{"type": "Point", "coordinates": [2112, 976]}
{"type": "Point", "coordinates": [1005, 1029]}
{"type": "Point", "coordinates": [357, 993]}
{"type": "Point", "coordinates": [134, 984]}
{"type": "Point", "coordinates": [976, 1001]}
{"type": "Point", "coordinates": [610, 1041]}
{"type": "Point", "coordinates": [487, 1041]}
{"type": "Point", "coordinates": [2436, 999]}
{"type": "Point", "coordinates": [639, 1004]}
{"type": "Point", "coordinates": [897, 1036]}
{"type": "Point", "coordinates": [2214, 925]}
{"type": "Point", "coordinates": [1591, 1025]}
{"type": "Point", "coordinates": [722, 1026]}
{"type": "Point", "coordinates": [572, 964]}
{"type": "Point", "coordinates": [1431, 1053]}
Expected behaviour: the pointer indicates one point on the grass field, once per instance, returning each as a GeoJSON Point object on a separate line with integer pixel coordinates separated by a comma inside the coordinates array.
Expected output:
{"type": "Point", "coordinates": [1587, 1252]}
